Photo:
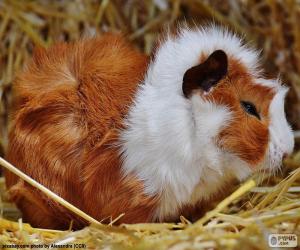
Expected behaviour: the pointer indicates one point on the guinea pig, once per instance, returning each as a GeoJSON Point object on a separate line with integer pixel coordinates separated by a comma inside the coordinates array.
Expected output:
{"type": "Point", "coordinates": [113, 132]}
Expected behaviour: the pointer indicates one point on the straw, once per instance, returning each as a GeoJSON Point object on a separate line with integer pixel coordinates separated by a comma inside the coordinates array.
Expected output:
{"type": "Point", "coordinates": [46, 191]}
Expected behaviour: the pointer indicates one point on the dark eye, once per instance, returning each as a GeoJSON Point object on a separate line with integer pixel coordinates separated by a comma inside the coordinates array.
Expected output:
{"type": "Point", "coordinates": [250, 108]}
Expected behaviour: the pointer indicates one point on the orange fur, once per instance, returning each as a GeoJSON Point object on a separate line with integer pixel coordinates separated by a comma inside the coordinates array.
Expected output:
{"type": "Point", "coordinates": [69, 104]}
{"type": "Point", "coordinates": [245, 135]}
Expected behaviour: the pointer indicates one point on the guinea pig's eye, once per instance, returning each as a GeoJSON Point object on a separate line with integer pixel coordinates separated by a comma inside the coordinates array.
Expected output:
{"type": "Point", "coordinates": [250, 108]}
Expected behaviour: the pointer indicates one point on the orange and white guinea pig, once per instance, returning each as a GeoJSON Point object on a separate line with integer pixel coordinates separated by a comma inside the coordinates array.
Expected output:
{"type": "Point", "coordinates": [113, 132]}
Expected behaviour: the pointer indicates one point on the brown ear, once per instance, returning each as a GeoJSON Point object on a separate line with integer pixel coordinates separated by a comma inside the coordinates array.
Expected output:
{"type": "Point", "coordinates": [207, 74]}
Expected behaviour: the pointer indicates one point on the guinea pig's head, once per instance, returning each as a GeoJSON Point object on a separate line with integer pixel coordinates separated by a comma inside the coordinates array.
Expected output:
{"type": "Point", "coordinates": [246, 119]}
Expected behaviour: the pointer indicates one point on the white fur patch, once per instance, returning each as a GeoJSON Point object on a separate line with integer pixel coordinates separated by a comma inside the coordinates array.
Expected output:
{"type": "Point", "coordinates": [281, 136]}
{"type": "Point", "coordinates": [169, 143]}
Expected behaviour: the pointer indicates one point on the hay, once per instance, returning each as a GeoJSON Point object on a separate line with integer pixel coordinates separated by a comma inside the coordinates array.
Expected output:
{"type": "Point", "coordinates": [242, 219]}
{"type": "Point", "coordinates": [246, 217]}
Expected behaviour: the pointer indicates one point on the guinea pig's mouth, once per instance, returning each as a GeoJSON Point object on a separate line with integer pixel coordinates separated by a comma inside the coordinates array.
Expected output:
{"type": "Point", "coordinates": [272, 163]}
{"type": "Point", "coordinates": [266, 170]}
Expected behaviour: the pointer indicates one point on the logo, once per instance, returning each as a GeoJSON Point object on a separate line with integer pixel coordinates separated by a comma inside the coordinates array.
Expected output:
{"type": "Point", "coordinates": [283, 240]}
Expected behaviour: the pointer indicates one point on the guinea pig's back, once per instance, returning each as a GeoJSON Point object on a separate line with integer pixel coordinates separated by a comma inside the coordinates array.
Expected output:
{"type": "Point", "coordinates": [67, 99]}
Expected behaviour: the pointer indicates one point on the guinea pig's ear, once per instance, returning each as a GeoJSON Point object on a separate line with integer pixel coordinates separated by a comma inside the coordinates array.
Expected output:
{"type": "Point", "coordinates": [207, 74]}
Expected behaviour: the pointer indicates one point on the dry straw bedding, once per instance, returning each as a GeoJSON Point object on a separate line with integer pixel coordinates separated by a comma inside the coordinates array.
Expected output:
{"type": "Point", "coordinates": [262, 205]}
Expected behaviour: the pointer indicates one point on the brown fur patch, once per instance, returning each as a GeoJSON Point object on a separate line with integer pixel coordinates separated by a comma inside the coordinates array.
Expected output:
{"type": "Point", "coordinates": [246, 135]}
{"type": "Point", "coordinates": [67, 102]}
